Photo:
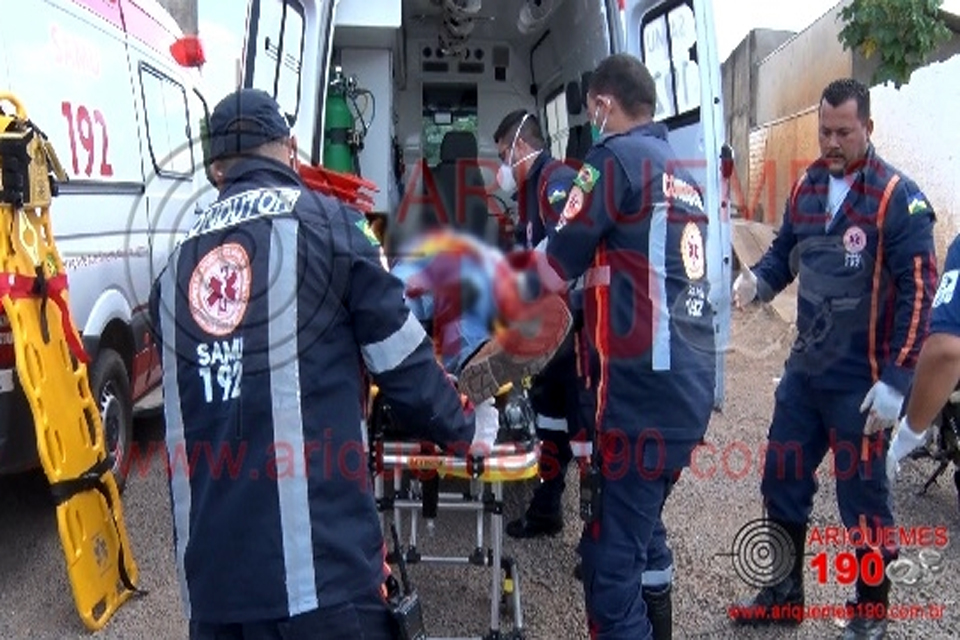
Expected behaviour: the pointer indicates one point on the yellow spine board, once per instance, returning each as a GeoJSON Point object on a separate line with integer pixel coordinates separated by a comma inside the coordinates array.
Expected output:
{"type": "Point", "coordinates": [69, 432]}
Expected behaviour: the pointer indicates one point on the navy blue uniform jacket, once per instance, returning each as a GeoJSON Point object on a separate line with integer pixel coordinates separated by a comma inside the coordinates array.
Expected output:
{"type": "Point", "coordinates": [635, 227]}
{"type": "Point", "coordinates": [946, 304]}
{"type": "Point", "coordinates": [541, 200]}
{"type": "Point", "coordinates": [866, 282]}
{"type": "Point", "coordinates": [271, 313]}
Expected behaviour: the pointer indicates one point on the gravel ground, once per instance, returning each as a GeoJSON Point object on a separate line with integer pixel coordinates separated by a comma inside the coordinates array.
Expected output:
{"type": "Point", "coordinates": [703, 516]}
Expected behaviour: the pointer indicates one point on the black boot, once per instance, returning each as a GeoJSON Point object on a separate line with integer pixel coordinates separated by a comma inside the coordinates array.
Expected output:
{"type": "Point", "coordinates": [544, 516]}
{"type": "Point", "coordinates": [869, 621]}
{"type": "Point", "coordinates": [533, 525]}
{"type": "Point", "coordinates": [659, 611]}
{"type": "Point", "coordinates": [783, 602]}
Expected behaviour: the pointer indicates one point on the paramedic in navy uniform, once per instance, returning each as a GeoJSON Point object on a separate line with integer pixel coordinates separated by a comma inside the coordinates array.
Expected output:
{"type": "Point", "coordinates": [635, 228]}
{"type": "Point", "coordinates": [860, 235]}
{"type": "Point", "coordinates": [271, 312]}
{"type": "Point", "coordinates": [938, 368]}
{"type": "Point", "coordinates": [542, 184]}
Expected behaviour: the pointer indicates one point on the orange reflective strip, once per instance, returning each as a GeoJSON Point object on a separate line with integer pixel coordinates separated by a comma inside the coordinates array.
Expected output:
{"type": "Point", "coordinates": [601, 334]}
{"type": "Point", "coordinates": [917, 310]}
{"type": "Point", "coordinates": [877, 270]}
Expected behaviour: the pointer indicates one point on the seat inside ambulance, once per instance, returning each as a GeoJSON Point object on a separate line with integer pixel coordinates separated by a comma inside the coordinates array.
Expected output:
{"type": "Point", "coordinates": [444, 79]}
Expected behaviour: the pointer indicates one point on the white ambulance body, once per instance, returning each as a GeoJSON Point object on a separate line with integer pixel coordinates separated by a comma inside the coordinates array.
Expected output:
{"type": "Point", "coordinates": [99, 79]}
{"type": "Point", "coordinates": [428, 71]}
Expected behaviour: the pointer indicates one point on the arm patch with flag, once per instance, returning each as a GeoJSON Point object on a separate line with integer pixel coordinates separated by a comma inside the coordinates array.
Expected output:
{"type": "Point", "coordinates": [918, 204]}
{"type": "Point", "coordinates": [368, 232]}
{"type": "Point", "coordinates": [586, 178]}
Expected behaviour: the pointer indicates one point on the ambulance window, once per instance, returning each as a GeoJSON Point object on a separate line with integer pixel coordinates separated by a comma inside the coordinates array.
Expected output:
{"type": "Point", "coordinates": [168, 128]}
{"type": "Point", "coordinates": [556, 124]}
{"type": "Point", "coordinates": [276, 58]}
{"type": "Point", "coordinates": [670, 53]}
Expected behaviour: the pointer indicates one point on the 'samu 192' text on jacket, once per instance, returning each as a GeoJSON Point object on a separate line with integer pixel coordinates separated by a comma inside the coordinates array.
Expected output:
{"type": "Point", "coordinates": [270, 313]}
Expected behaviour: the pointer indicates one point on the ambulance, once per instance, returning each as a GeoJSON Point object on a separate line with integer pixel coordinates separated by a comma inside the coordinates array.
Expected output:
{"type": "Point", "coordinates": [414, 90]}
{"type": "Point", "coordinates": [115, 88]}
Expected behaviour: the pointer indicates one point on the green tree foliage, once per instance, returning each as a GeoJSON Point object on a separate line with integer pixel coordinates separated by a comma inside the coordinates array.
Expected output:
{"type": "Point", "coordinates": [902, 32]}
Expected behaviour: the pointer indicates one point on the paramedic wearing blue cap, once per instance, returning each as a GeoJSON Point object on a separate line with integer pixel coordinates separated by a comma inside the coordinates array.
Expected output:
{"type": "Point", "coordinates": [271, 313]}
{"type": "Point", "coordinates": [542, 184]}
{"type": "Point", "coordinates": [858, 234]}
{"type": "Point", "coordinates": [634, 227]}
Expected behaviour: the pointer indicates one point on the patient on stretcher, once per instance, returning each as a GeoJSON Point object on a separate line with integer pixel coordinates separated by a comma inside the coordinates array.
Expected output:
{"type": "Point", "coordinates": [488, 335]}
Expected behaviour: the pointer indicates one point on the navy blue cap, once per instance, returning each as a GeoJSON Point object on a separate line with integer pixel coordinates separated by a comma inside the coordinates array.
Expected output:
{"type": "Point", "coordinates": [244, 120]}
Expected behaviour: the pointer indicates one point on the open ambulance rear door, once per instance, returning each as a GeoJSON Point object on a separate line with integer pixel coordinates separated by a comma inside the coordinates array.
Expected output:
{"type": "Point", "coordinates": [676, 41]}
{"type": "Point", "coordinates": [286, 49]}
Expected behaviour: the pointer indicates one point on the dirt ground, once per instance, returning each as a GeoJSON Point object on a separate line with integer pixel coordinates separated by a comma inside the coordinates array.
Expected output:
{"type": "Point", "coordinates": [710, 504]}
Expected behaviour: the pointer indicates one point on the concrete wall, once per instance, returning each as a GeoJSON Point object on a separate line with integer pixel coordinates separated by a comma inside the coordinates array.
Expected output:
{"type": "Point", "coordinates": [914, 130]}
{"type": "Point", "coordinates": [739, 80]}
{"type": "Point", "coordinates": [791, 78]}
{"type": "Point", "coordinates": [912, 126]}
{"type": "Point", "coordinates": [779, 153]}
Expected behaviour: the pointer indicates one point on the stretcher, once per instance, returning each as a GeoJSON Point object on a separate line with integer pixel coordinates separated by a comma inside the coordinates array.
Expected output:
{"type": "Point", "coordinates": [52, 368]}
{"type": "Point", "coordinates": [407, 476]}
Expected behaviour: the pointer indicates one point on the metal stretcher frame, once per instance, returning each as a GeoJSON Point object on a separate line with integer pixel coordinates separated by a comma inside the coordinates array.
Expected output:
{"type": "Point", "coordinates": [425, 465]}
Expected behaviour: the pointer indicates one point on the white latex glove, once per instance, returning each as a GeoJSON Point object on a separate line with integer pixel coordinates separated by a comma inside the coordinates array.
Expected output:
{"type": "Point", "coordinates": [487, 420]}
{"type": "Point", "coordinates": [905, 441]}
{"type": "Point", "coordinates": [884, 403]}
{"type": "Point", "coordinates": [744, 288]}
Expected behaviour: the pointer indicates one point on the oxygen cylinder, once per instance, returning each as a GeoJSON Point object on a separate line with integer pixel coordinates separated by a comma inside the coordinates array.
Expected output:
{"type": "Point", "coordinates": [337, 151]}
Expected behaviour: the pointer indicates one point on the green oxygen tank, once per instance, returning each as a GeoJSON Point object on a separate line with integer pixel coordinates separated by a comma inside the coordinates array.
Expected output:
{"type": "Point", "coordinates": [337, 150]}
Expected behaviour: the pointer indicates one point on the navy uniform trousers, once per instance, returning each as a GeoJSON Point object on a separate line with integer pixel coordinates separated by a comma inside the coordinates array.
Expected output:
{"type": "Point", "coordinates": [807, 422]}
{"type": "Point", "coordinates": [634, 494]}
{"type": "Point", "coordinates": [349, 621]}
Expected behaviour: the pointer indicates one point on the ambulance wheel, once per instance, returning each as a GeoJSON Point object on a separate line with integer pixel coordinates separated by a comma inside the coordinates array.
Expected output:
{"type": "Point", "coordinates": [111, 391]}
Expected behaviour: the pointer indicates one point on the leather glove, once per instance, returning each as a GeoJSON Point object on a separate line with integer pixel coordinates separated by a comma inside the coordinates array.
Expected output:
{"type": "Point", "coordinates": [884, 403]}
{"type": "Point", "coordinates": [905, 441]}
{"type": "Point", "coordinates": [487, 420]}
{"type": "Point", "coordinates": [744, 288]}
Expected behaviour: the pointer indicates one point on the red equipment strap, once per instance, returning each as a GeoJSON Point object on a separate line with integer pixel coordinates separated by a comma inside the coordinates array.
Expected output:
{"type": "Point", "coordinates": [19, 286]}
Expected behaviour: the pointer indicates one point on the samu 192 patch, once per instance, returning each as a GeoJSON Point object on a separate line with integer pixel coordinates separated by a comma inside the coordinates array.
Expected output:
{"type": "Point", "coordinates": [574, 205]}
{"type": "Point", "coordinates": [364, 227]}
{"type": "Point", "coordinates": [587, 178]}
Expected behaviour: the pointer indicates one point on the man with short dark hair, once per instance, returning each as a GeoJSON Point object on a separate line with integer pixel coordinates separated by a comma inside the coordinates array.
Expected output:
{"type": "Point", "coordinates": [270, 315]}
{"type": "Point", "coordinates": [634, 227]}
{"type": "Point", "coordinates": [542, 184]}
{"type": "Point", "coordinates": [859, 233]}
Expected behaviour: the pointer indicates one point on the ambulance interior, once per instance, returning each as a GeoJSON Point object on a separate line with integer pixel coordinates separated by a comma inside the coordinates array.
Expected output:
{"type": "Point", "coordinates": [425, 83]}
{"type": "Point", "coordinates": [428, 82]}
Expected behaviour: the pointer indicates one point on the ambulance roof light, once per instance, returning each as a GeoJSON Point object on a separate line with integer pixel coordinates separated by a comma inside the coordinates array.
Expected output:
{"type": "Point", "coordinates": [188, 51]}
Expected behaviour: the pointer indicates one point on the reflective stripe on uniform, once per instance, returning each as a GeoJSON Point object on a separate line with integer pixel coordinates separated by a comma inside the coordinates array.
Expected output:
{"type": "Point", "coordinates": [581, 449]}
{"type": "Point", "coordinates": [388, 353]}
{"type": "Point", "coordinates": [175, 438]}
{"type": "Point", "coordinates": [292, 488]}
{"type": "Point", "coordinates": [551, 424]}
{"type": "Point", "coordinates": [657, 577]}
{"type": "Point", "coordinates": [658, 287]}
